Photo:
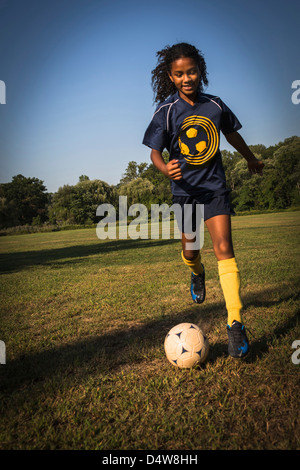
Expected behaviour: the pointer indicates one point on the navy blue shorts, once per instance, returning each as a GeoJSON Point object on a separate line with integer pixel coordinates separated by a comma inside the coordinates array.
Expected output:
{"type": "Point", "coordinates": [218, 205]}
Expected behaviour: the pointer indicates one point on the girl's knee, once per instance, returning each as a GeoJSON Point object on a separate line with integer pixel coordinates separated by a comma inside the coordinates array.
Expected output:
{"type": "Point", "coordinates": [190, 255]}
{"type": "Point", "coordinates": [223, 248]}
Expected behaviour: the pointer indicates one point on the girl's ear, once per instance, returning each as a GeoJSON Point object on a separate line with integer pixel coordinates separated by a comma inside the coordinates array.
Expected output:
{"type": "Point", "coordinates": [170, 77]}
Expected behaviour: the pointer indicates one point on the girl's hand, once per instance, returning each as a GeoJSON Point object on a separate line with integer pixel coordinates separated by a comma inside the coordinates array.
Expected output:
{"type": "Point", "coordinates": [255, 166]}
{"type": "Point", "coordinates": [173, 170]}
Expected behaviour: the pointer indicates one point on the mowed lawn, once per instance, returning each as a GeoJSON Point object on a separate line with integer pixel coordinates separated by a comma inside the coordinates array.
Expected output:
{"type": "Point", "coordinates": [84, 322]}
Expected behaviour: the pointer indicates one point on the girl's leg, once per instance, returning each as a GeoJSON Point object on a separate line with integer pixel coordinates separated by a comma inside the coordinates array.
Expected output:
{"type": "Point", "coordinates": [192, 259]}
{"type": "Point", "coordinates": [219, 228]}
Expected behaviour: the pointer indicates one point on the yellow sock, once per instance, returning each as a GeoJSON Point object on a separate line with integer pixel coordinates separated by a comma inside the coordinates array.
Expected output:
{"type": "Point", "coordinates": [195, 264]}
{"type": "Point", "coordinates": [230, 282]}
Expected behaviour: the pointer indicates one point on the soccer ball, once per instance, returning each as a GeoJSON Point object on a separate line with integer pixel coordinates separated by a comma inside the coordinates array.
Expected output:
{"type": "Point", "coordinates": [186, 345]}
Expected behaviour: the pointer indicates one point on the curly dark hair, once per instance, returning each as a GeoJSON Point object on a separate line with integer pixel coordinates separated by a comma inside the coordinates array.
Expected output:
{"type": "Point", "coordinates": [162, 86]}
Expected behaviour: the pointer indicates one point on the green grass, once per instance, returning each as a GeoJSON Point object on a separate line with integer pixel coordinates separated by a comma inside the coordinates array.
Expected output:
{"type": "Point", "coordinates": [84, 323]}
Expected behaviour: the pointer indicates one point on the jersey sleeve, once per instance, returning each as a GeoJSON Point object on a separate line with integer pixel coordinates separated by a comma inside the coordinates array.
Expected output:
{"type": "Point", "coordinates": [156, 136]}
{"type": "Point", "coordinates": [229, 121]}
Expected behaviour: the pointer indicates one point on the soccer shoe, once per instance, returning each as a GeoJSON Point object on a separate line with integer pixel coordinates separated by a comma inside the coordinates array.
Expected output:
{"type": "Point", "coordinates": [198, 287]}
{"type": "Point", "coordinates": [238, 344]}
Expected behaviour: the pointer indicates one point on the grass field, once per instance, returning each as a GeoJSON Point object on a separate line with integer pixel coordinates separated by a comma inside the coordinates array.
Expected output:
{"type": "Point", "coordinates": [84, 322]}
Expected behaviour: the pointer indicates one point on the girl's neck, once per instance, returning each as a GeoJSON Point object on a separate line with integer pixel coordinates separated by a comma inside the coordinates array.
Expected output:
{"type": "Point", "coordinates": [189, 99]}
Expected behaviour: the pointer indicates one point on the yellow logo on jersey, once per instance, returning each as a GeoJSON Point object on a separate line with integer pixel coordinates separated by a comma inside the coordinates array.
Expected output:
{"type": "Point", "coordinates": [198, 139]}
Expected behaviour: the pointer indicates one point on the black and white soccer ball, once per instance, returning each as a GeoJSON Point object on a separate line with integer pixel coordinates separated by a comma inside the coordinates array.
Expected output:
{"type": "Point", "coordinates": [186, 345]}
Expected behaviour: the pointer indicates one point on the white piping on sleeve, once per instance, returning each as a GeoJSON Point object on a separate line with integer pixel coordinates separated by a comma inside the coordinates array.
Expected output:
{"type": "Point", "coordinates": [170, 106]}
{"type": "Point", "coordinates": [215, 103]}
{"type": "Point", "coordinates": [169, 113]}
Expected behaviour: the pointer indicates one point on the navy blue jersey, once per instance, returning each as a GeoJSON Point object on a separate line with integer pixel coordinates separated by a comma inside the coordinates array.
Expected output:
{"type": "Point", "coordinates": [191, 134]}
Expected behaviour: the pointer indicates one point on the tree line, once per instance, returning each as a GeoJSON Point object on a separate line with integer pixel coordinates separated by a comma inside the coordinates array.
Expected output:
{"type": "Point", "coordinates": [25, 201]}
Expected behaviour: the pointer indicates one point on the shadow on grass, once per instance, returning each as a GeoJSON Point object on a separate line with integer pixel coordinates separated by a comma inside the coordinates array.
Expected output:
{"type": "Point", "coordinates": [261, 346]}
{"type": "Point", "coordinates": [99, 354]}
{"type": "Point", "coordinates": [10, 262]}
{"type": "Point", "coordinates": [108, 352]}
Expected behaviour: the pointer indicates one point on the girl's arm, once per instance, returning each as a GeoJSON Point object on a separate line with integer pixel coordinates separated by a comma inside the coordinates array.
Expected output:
{"type": "Point", "coordinates": [171, 169]}
{"type": "Point", "coordinates": [237, 141]}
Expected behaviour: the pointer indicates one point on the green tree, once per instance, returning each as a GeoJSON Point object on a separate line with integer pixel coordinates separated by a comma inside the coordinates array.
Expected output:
{"type": "Point", "coordinates": [161, 192]}
{"type": "Point", "coordinates": [287, 173]}
{"type": "Point", "coordinates": [131, 185]}
{"type": "Point", "coordinates": [22, 201]}
{"type": "Point", "coordinates": [83, 178]}
{"type": "Point", "coordinates": [278, 188]}
{"type": "Point", "coordinates": [133, 171]}
{"type": "Point", "coordinates": [138, 190]}
{"type": "Point", "coordinates": [78, 204]}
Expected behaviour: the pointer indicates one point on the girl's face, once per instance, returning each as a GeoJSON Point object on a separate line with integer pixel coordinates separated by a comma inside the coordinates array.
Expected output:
{"type": "Point", "coordinates": [185, 75]}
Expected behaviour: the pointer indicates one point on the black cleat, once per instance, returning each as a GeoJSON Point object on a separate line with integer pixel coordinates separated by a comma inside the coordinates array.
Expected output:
{"type": "Point", "coordinates": [198, 287]}
{"type": "Point", "coordinates": [238, 344]}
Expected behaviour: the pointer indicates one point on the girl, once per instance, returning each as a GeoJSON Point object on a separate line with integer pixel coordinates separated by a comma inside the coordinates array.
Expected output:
{"type": "Point", "coordinates": [187, 122]}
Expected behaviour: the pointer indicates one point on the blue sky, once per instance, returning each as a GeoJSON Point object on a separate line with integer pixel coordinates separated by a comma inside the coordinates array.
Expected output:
{"type": "Point", "coordinates": [78, 72]}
